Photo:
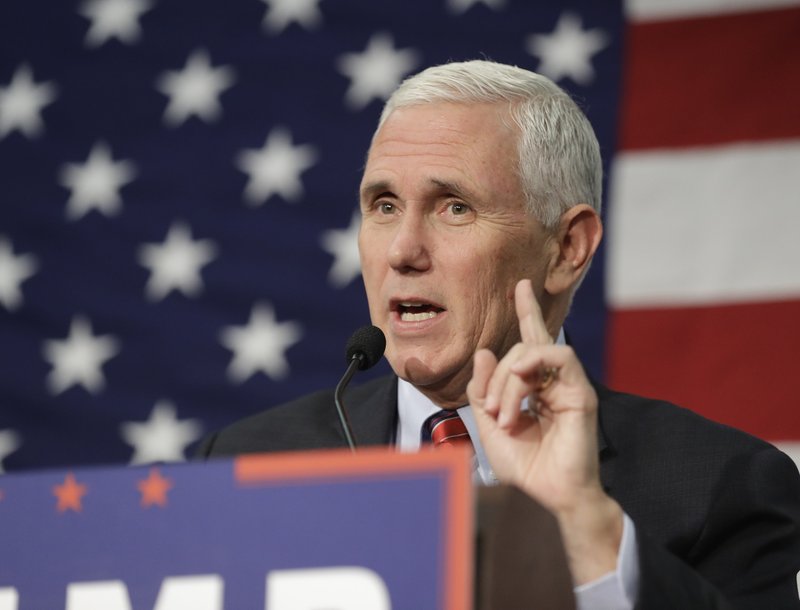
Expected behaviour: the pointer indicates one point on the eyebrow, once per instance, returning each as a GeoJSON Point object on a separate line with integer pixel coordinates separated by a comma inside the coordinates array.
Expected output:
{"type": "Point", "coordinates": [374, 188]}
{"type": "Point", "coordinates": [452, 187]}
{"type": "Point", "coordinates": [382, 186]}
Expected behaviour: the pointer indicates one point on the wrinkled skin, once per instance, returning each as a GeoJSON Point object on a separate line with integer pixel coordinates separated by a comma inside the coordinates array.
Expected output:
{"type": "Point", "coordinates": [444, 224]}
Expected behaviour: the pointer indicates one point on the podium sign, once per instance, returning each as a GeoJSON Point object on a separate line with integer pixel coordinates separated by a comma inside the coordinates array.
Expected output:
{"type": "Point", "coordinates": [299, 531]}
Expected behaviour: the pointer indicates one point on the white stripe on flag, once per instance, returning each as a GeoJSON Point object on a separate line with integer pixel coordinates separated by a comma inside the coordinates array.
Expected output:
{"type": "Point", "coordinates": [790, 448]}
{"type": "Point", "coordinates": [701, 226]}
{"type": "Point", "coordinates": [655, 10]}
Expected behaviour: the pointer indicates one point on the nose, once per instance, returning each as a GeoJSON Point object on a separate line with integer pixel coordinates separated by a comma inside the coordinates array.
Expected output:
{"type": "Point", "coordinates": [409, 249]}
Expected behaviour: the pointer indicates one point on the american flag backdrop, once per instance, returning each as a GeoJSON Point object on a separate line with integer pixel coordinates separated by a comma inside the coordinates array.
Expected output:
{"type": "Point", "coordinates": [178, 188]}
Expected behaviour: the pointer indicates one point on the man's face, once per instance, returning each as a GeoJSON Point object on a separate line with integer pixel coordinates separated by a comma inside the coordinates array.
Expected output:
{"type": "Point", "coordinates": [444, 239]}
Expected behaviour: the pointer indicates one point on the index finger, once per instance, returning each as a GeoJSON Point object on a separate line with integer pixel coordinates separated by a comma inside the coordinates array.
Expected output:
{"type": "Point", "coordinates": [532, 328]}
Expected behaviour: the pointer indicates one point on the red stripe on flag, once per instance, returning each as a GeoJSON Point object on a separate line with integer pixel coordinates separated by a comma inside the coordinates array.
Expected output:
{"type": "Point", "coordinates": [712, 80]}
{"type": "Point", "coordinates": [735, 364]}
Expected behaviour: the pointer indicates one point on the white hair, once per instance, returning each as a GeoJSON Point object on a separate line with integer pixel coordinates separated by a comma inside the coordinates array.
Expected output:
{"type": "Point", "coordinates": [559, 158]}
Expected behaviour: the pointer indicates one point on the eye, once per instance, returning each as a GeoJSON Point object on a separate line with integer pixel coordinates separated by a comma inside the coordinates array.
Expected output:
{"type": "Point", "coordinates": [456, 211]}
{"type": "Point", "coordinates": [385, 207]}
{"type": "Point", "coordinates": [459, 209]}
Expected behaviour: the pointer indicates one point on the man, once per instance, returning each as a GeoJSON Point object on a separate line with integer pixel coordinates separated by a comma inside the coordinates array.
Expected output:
{"type": "Point", "coordinates": [480, 215]}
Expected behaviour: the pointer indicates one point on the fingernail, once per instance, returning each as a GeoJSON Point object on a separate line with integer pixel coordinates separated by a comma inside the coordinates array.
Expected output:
{"type": "Point", "coordinates": [490, 404]}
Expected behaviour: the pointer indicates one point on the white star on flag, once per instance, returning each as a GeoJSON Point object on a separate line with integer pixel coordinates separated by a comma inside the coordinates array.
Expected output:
{"type": "Point", "coordinates": [462, 6]}
{"type": "Point", "coordinates": [275, 168]}
{"type": "Point", "coordinates": [95, 184]}
{"type": "Point", "coordinates": [342, 244]}
{"type": "Point", "coordinates": [9, 443]}
{"type": "Point", "coordinates": [195, 90]}
{"type": "Point", "coordinates": [113, 19]}
{"type": "Point", "coordinates": [261, 345]}
{"type": "Point", "coordinates": [175, 264]}
{"type": "Point", "coordinates": [377, 71]}
{"type": "Point", "coordinates": [163, 437]}
{"type": "Point", "coordinates": [13, 271]}
{"type": "Point", "coordinates": [568, 50]}
{"type": "Point", "coordinates": [280, 13]}
{"type": "Point", "coordinates": [22, 101]}
{"type": "Point", "coordinates": [79, 358]}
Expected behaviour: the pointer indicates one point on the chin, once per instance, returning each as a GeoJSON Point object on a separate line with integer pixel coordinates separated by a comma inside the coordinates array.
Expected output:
{"type": "Point", "coordinates": [424, 373]}
{"type": "Point", "coordinates": [411, 368]}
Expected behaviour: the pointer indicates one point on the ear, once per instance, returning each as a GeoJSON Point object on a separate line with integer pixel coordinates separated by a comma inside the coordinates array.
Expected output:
{"type": "Point", "coordinates": [573, 246]}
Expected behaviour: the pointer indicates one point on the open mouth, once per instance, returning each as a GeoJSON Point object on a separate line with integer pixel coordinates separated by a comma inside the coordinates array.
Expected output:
{"type": "Point", "coordinates": [417, 312]}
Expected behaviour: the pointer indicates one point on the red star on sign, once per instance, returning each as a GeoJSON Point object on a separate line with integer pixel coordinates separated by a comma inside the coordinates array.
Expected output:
{"type": "Point", "coordinates": [69, 494]}
{"type": "Point", "coordinates": [154, 489]}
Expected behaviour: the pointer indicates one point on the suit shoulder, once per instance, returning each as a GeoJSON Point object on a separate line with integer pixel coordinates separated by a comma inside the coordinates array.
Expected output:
{"type": "Point", "coordinates": [628, 417]}
{"type": "Point", "coordinates": [661, 454]}
{"type": "Point", "coordinates": [302, 423]}
{"type": "Point", "coordinates": [688, 482]}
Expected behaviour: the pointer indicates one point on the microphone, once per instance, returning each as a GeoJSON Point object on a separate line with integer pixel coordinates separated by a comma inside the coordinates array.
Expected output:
{"type": "Point", "coordinates": [364, 350]}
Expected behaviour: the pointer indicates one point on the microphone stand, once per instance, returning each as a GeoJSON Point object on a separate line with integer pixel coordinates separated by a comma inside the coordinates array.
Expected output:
{"type": "Point", "coordinates": [355, 364]}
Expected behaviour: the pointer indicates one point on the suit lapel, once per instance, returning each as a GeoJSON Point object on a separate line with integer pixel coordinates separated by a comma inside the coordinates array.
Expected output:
{"type": "Point", "coordinates": [372, 409]}
{"type": "Point", "coordinates": [607, 453]}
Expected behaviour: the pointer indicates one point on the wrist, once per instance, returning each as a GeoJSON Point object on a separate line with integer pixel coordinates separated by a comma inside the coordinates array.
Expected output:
{"type": "Point", "coordinates": [591, 531]}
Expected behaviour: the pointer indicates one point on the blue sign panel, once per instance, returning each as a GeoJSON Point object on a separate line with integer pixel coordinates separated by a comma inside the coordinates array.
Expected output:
{"type": "Point", "coordinates": [372, 530]}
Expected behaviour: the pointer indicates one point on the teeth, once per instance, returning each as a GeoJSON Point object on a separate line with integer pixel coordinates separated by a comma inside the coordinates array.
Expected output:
{"type": "Point", "coordinates": [407, 316]}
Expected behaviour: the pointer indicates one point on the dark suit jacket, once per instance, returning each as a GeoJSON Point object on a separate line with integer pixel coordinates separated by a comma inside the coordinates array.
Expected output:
{"type": "Point", "coordinates": [717, 512]}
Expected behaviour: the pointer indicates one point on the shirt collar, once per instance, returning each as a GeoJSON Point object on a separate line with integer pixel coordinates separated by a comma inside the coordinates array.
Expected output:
{"type": "Point", "coordinates": [413, 408]}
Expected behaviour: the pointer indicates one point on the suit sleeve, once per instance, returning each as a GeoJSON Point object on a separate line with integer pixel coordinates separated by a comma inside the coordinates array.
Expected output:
{"type": "Point", "coordinates": [747, 556]}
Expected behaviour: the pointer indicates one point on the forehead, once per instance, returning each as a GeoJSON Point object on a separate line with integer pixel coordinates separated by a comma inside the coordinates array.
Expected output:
{"type": "Point", "coordinates": [438, 144]}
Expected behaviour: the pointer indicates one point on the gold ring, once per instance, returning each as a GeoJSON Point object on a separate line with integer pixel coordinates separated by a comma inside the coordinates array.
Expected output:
{"type": "Point", "coordinates": [547, 376]}
{"type": "Point", "coordinates": [533, 409]}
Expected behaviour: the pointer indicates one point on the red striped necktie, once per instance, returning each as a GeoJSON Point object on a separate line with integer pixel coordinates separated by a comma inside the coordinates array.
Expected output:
{"type": "Point", "coordinates": [445, 429]}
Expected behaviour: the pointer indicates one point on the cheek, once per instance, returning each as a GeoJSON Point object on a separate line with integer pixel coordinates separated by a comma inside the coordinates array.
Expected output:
{"type": "Point", "coordinates": [373, 275]}
{"type": "Point", "coordinates": [369, 259]}
{"type": "Point", "coordinates": [372, 288]}
{"type": "Point", "coordinates": [494, 280]}
{"type": "Point", "coordinates": [481, 297]}
{"type": "Point", "coordinates": [521, 258]}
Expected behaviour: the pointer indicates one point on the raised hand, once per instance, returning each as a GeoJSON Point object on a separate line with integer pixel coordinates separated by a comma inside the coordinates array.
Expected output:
{"type": "Point", "coordinates": [549, 450]}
